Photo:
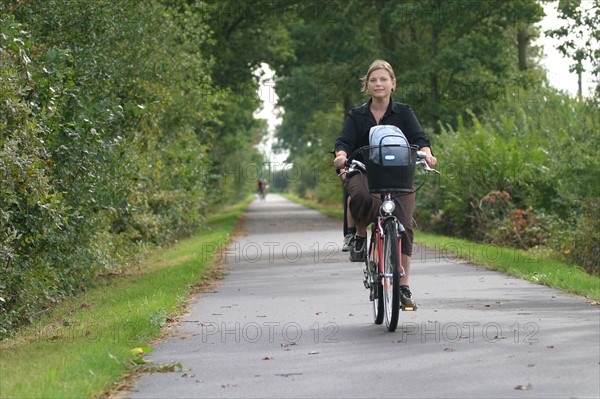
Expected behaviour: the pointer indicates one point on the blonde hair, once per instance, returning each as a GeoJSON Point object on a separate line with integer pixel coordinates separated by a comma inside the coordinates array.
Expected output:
{"type": "Point", "coordinates": [375, 65]}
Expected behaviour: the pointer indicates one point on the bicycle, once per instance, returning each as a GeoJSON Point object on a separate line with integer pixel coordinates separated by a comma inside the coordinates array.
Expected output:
{"type": "Point", "coordinates": [383, 266]}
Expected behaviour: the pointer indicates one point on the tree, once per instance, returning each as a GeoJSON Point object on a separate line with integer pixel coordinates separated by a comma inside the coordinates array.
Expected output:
{"type": "Point", "coordinates": [580, 36]}
{"type": "Point", "coordinates": [450, 58]}
{"type": "Point", "coordinates": [107, 132]}
{"type": "Point", "coordinates": [244, 35]}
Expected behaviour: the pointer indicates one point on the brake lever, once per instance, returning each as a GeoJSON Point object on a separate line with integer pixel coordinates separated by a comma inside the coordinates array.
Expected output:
{"type": "Point", "coordinates": [428, 168]}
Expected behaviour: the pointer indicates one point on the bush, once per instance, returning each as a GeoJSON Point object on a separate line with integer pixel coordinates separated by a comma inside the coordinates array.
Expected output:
{"type": "Point", "coordinates": [106, 134]}
{"type": "Point", "coordinates": [522, 176]}
{"type": "Point", "coordinates": [579, 243]}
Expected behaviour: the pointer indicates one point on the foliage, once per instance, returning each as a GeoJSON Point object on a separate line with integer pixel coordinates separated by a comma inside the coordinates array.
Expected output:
{"type": "Point", "coordinates": [449, 56]}
{"type": "Point", "coordinates": [115, 138]}
{"type": "Point", "coordinates": [84, 345]}
{"type": "Point", "coordinates": [522, 176]}
{"type": "Point", "coordinates": [581, 19]}
{"type": "Point", "coordinates": [313, 174]}
{"type": "Point", "coordinates": [576, 240]}
{"type": "Point", "coordinates": [515, 155]}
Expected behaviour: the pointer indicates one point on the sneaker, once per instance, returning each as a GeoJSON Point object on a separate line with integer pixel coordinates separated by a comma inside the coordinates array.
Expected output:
{"type": "Point", "coordinates": [406, 296]}
{"type": "Point", "coordinates": [358, 250]}
{"type": "Point", "coordinates": [347, 242]}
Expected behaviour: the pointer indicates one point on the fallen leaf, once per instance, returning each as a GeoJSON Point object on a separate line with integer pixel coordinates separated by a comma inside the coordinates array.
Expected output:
{"type": "Point", "coordinates": [524, 387]}
{"type": "Point", "coordinates": [287, 374]}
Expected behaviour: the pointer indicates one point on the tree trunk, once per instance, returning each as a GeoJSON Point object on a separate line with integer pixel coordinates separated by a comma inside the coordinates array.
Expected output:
{"type": "Point", "coordinates": [523, 37]}
{"type": "Point", "coordinates": [579, 82]}
{"type": "Point", "coordinates": [433, 76]}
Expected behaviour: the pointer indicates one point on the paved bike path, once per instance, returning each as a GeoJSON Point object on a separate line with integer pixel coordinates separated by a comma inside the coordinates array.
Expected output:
{"type": "Point", "coordinates": [292, 319]}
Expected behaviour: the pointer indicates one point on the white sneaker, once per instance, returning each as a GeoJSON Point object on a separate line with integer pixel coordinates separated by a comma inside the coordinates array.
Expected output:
{"type": "Point", "coordinates": [347, 242]}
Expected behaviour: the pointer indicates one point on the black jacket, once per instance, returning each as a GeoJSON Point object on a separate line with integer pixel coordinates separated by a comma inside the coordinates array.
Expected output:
{"type": "Point", "coordinates": [360, 120]}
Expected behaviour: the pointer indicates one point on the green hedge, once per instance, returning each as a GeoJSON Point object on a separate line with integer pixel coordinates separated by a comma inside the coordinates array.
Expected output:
{"type": "Point", "coordinates": [523, 176]}
{"type": "Point", "coordinates": [111, 139]}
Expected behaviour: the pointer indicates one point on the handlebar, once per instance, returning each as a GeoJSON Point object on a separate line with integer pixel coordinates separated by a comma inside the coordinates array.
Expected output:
{"type": "Point", "coordinates": [353, 166]}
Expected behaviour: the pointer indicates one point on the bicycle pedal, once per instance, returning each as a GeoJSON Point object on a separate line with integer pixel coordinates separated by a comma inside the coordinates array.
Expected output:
{"type": "Point", "coordinates": [366, 279]}
{"type": "Point", "coordinates": [409, 308]}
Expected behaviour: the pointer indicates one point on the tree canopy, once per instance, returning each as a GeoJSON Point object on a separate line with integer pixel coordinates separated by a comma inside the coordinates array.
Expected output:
{"type": "Point", "coordinates": [121, 125]}
{"type": "Point", "coordinates": [449, 57]}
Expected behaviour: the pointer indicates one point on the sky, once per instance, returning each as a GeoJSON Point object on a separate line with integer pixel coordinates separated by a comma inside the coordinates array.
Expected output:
{"type": "Point", "coordinates": [556, 65]}
{"type": "Point", "coordinates": [266, 92]}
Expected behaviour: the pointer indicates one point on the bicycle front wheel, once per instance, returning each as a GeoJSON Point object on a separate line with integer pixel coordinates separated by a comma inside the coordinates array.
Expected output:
{"type": "Point", "coordinates": [372, 272]}
{"type": "Point", "coordinates": [391, 275]}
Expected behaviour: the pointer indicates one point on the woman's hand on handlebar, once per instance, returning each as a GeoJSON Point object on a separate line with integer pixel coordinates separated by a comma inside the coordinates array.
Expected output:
{"type": "Point", "coordinates": [429, 158]}
{"type": "Point", "coordinates": [340, 160]}
{"type": "Point", "coordinates": [431, 161]}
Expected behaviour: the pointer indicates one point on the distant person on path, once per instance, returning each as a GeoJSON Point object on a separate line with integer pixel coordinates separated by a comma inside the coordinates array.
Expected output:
{"type": "Point", "coordinates": [261, 188]}
{"type": "Point", "coordinates": [379, 83]}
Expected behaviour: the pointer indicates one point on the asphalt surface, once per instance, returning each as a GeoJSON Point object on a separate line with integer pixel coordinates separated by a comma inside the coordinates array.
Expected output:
{"type": "Point", "coordinates": [293, 320]}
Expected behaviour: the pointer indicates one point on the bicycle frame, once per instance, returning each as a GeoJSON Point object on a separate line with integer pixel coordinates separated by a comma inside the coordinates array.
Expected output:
{"type": "Point", "coordinates": [383, 281]}
{"type": "Point", "coordinates": [377, 234]}
{"type": "Point", "coordinates": [383, 265]}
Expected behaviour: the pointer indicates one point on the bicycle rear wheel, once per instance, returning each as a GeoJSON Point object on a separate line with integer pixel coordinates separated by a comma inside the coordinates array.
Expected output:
{"type": "Point", "coordinates": [391, 277]}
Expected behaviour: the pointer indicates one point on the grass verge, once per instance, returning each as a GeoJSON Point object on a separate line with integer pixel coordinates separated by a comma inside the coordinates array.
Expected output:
{"type": "Point", "coordinates": [84, 346]}
{"type": "Point", "coordinates": [515, 262]}
{"type": "Point", "coordinates": [519, 263]}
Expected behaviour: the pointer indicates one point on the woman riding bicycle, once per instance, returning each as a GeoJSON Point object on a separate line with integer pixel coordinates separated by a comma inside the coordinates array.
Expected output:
{"type": "Point", "coordinates": [379, 83]}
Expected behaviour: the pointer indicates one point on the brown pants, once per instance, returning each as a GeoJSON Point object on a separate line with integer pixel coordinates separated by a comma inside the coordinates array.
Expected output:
{"type": "Point", "coordinates": [364, 207]}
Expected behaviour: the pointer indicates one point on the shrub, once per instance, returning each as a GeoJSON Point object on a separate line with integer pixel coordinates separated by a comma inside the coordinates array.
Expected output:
{"type": "Point", "coordinates": [523, 176]}
{"type": "Point", "coordinates": [578, 243]}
